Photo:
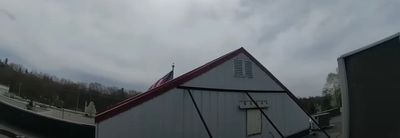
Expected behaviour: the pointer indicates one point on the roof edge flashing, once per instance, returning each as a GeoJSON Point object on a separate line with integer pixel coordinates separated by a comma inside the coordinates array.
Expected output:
{"type": "Point", "coordinates": [370, 45]}
{"type": "Point", "coordinates": [141, 98]}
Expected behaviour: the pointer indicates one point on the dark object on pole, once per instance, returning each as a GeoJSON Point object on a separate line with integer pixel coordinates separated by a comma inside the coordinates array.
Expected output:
{"type": "Point", "coordinates": [30, 105]}
{"type": "Point", "coordinates": [19, 89]}
{"type": "Point", "coordinates": [77, 101]}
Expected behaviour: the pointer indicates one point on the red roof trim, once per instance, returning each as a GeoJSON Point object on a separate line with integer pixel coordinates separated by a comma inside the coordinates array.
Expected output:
{"type": "Point", "coordinates": [131, 102]}
{"type": "Point", "coordinates": [139, 99]}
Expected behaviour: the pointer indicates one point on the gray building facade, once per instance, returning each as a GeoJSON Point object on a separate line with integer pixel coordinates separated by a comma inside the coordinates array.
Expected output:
{"type": "Point", "coordinates": [233, 96]}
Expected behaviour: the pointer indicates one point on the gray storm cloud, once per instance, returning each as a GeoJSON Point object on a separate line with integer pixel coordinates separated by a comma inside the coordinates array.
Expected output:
{"type": "Point", "coordinates": [132, 43]}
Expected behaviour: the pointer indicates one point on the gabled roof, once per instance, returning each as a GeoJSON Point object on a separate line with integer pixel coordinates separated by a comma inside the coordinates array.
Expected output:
{"type": "Point", "coordinates": [137, 100]}
{"type": "Point", "coordinates": [397, 35]}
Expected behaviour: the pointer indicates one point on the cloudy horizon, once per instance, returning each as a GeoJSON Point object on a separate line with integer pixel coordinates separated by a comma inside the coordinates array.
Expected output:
{"type": "Point", "coordinates": [131, 44]}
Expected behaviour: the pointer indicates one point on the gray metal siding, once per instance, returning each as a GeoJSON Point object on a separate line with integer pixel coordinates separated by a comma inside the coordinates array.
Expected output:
{"type": "Point", "coordinates": [163, 116]}
{"type": "Point", "coordinates": [173, 115]}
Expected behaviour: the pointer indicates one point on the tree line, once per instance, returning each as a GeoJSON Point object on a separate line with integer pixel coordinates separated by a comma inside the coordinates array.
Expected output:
{"type": "Point", "coordinates": [331, 96]}
{"type": "Point", "coordinates": [60, 92]}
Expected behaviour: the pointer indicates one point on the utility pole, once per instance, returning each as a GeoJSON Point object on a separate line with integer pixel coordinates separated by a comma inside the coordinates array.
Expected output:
{"type": "Point", "coordinates": [19, 89]}
{"type": "Point", "coordinates": [77, 101]}
{"type": "Point", "coordinates": [62, 110]}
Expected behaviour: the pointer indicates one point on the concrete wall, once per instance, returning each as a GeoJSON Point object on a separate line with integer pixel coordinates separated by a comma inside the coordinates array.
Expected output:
{"type": "Point", "coordinates": [173, 114]}
{"type": "Point", "coordinates": [371, 86]}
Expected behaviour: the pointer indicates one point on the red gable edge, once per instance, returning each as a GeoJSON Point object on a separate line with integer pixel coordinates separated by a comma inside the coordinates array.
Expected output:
{"type": "Point", "coordinates": [139, 99]}
{"type": "Point", "coordinates": [136, 100]}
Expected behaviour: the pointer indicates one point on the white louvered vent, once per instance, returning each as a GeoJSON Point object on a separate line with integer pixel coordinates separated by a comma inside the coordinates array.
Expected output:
{"type": "Point", "coordinates": [248, 69]}
{"type": "Point", "coordinates": [238, 68]}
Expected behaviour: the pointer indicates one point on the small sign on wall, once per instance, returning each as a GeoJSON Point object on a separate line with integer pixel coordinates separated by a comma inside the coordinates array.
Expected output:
{"type": "Point", "coordinates": [250, 104]}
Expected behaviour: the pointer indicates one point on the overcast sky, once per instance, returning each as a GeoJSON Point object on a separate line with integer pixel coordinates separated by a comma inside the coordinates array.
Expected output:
{"type": "Point", "coordinates": [132, 43]}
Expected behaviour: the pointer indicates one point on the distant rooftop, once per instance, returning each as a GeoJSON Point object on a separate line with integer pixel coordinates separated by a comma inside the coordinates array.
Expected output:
{"type": "Point", "coordinates": [370, 45]}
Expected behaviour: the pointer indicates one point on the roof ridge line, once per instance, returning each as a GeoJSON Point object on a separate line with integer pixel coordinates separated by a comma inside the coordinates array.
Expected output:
{"type": "Point", "coordinates": [136, 100]}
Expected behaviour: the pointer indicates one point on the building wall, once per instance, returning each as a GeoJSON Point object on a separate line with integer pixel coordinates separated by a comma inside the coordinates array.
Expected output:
{"type": "Point", "coordinates": [223, 77]}
{"type": "Point", "coordinates": [173, 114]}
{"type": "Point", "coordinates": [372, 77]}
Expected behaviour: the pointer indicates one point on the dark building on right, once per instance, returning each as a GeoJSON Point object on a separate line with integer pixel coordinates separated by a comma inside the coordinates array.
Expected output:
{"type": "Point", "coordinates": [370, 85]}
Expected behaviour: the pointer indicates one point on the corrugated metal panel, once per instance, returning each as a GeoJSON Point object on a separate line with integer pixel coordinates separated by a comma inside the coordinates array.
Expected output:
{"type": "Point", "coordinates": [173, 115]}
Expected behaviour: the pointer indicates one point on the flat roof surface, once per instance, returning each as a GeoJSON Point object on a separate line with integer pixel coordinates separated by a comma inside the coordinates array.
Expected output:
{"type": "Point", "coordinates": [51, 112]}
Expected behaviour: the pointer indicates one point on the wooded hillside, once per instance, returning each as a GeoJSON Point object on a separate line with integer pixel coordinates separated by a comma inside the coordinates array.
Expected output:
{"type": "Point", "coordinates": [56, 91]}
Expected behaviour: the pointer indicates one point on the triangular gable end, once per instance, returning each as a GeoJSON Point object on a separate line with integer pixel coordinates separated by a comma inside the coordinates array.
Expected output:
{"type": "Point", "coordinates": [272, 84]}
{"type": "Point", "coordinates": [237, 73]}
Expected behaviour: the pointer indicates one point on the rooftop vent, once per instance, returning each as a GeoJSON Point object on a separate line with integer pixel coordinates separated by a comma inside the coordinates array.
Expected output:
{"type": "Point", "coordinates": [243, 71]}
{"type": "Point", "coordinates": [238, 68]}
{"type": "Point", "coordinates": [249, 69]}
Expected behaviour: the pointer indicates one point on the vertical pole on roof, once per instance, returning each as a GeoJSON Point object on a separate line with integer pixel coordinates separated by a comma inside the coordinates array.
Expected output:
{"type": "Point", "coordinates": [173, 67]}
{"type": "Point", "coordinates": [199, 113]}
{"type": "Point", "coordinates": [265, 115]}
